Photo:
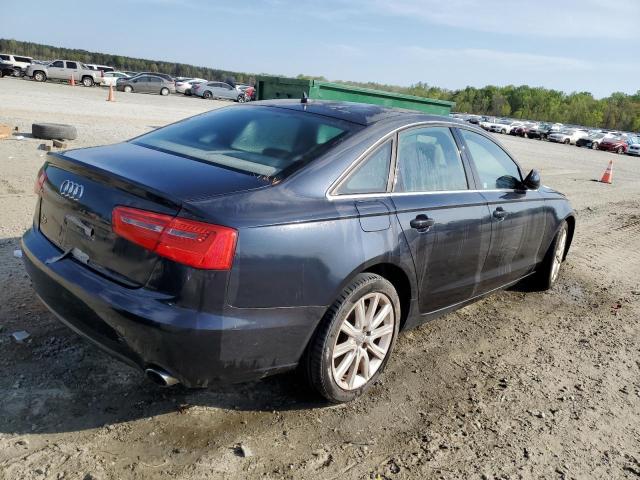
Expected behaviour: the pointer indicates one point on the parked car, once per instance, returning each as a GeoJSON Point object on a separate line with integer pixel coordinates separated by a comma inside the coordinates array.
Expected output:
{"type": "Point", "coordinates": [64, 70]}
{"type": "Point", "coordinates": [567, 136]}
{"type": "Point", "coordinates": [487, 122]}
{"type": "Point", "coordinates": [6, 69]}
{"type": "Point", "coordinates": [110, 79]}
{"type": "Point", "coordinates": [249, 240]}
{"type": "Point", "coordinates": [18, 62]}
{"type": "Point", "coordinates": [146, 84]}
{"type": "Point", "coordinates": [618, 144]}
{"type": "Point", "coordinates": [523, 130]}
{"type": "Point", "coordinates": [503, 126]}
{"type": "Point", "coordinates": [184, 85]}
{"type": "Point", "coordinates": [103, 68]}
{"type": "Point", "coordinates": [218, 90]}
{"type": "Point", "coordinates": [634, 147]}
{"type": "Point", "coordinates": [591, 141]}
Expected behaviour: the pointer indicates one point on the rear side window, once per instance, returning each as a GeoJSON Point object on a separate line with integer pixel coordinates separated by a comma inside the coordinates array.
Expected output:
{"type": "Point", "coordinates": [267, 141]}
{"type": "Point", "coordinates": [4, 57]}
{"type": "Point", "coordinates": [58, 64]}
{"type": "Point", "coordinates": [23, 59]}
{"type": "Point", "coordinates": [372, 175]}
{"type": "Point", "coordinates": [495, 168]}
{"type": "Point", "coordinates": [72, 65]}
{"type": "Point", "coordinates": [428, 161]}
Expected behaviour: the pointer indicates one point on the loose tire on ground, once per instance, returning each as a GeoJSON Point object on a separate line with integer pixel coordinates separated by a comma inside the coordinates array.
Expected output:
{"type": "Point", "coordinates": [54, 131]}
{"type": "Point", "coordinates": [322, 361]}
{"type": "Point", "coordinates": [549, 269]}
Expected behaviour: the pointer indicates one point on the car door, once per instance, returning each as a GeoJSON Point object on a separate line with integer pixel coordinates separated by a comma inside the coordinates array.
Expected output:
{"type": "Point", "coordinates": [518, 217]}
{"type": "Point", "coordinates": [141, 84]}
{"type": "Point", "coordinates": [229, 92]}
{"type": "Point", "coordinates": [154, 84]}
{"type": "Point", "coordinates": [56, 70]}
{"type": "Point", "coordinates": [445, 221]}
{"type": "Point", "coordinates": [72, 70]}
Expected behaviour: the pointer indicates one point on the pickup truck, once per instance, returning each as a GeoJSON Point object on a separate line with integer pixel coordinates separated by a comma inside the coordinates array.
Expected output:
{"type": "Point", "coordinates": [64, 70]}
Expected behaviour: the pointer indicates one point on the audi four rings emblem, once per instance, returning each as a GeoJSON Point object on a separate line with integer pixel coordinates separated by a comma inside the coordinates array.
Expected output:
{"type": "Point", "coordinates": [71, 190]}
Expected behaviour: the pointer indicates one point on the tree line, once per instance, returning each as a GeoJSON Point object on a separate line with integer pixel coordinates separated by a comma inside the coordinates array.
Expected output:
{"type": "Point", "coordinates": [618, 111]}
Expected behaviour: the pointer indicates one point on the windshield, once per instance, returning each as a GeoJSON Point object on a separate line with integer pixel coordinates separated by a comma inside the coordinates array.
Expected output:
{"type": "Point", "coordinates": [254, 139]}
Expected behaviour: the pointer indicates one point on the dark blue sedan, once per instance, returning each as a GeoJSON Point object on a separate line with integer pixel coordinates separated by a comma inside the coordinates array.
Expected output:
{"type": "Point", "coordinates": [252, 239]}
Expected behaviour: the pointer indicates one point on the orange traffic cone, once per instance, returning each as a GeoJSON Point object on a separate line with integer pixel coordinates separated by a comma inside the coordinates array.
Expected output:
{"type": "Point", "coordinates": [72, 82]}
{"type": "Point", "coordinates": [110, 97]}
{"type": "Point", "coordinates": [607, 176]}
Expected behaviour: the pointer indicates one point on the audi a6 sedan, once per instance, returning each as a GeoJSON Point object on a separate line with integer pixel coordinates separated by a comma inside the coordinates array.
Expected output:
{"type": "Point", "coordinates": [256, 238]}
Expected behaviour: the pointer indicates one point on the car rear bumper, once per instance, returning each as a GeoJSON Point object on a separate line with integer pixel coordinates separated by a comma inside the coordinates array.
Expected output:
{"type": "Point", "coordinates": [146, 329]}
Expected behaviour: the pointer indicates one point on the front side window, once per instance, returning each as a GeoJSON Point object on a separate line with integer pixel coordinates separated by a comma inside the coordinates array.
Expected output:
{"type": "Point", "coordinates": [255, 139]}
{"type": "Point", "coordinates": [372, 174]}
{"type": "Point", "coordinates": [428, 161]}
{"type": "Point", "coordinates": [495, 168]}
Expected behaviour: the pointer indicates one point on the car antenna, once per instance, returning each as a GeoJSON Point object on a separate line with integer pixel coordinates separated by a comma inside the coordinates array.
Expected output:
{"type": "Point", "coordinates": [304, 100]}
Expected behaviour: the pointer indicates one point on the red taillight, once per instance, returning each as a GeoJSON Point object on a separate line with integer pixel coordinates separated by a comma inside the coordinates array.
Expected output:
{"type": "Point", "coordinates": [42, 177]}
{"type": "Point", "coordinates": [197, 244]}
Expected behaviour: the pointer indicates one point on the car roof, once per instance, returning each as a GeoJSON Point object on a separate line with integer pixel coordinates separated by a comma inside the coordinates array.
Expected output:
{"type": "Point", "coordinates": [359, 113]}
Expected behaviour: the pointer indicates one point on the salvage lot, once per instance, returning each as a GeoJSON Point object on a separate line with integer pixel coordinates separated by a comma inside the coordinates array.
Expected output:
{"type": "Point", "coordinates": [520, 385]}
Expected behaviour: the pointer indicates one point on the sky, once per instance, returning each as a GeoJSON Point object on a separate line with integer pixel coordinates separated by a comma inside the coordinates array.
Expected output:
{"type": "Point", "coordinates": [569, 45]}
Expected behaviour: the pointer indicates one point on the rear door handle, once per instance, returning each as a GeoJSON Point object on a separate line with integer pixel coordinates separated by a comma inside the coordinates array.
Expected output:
{"type": "Point", "coordinates": [422, 222]}
{"type": "Point", "coordinates": [499, 213]}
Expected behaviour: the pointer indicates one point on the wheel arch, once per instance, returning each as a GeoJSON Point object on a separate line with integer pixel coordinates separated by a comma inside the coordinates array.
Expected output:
{"type": "Point", "coordinates": [571, 227]}
{"type": "Point", "coordinates": [400, 281]}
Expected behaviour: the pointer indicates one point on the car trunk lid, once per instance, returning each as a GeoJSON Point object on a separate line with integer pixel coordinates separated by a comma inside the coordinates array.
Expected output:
{"type": "Point", "coordinates": [83, 187]}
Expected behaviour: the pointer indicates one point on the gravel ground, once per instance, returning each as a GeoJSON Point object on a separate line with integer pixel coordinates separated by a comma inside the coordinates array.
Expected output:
{"type": "Point", "coordinates": [519, 385]}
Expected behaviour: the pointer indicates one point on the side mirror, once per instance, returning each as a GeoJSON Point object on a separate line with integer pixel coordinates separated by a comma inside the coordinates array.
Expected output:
{"type": "Point", "coordinates": [532, 181]}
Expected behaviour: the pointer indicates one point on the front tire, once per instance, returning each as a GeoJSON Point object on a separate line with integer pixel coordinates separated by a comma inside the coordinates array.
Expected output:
{"type": "Point", "coordinates": [241, 99]}
{"type": "Point", "coordinates": [207, 95]}
{"type": "Point", "coordinates": [39, 76]}
{"type": "Point", "coordinates": [87, 81]}
{"type": "Point", "coordinates": [354, 340]}
{"type": "Point", "coordinates": [619, 150]}
{"type": "Point", "coordinates": [549, 269]}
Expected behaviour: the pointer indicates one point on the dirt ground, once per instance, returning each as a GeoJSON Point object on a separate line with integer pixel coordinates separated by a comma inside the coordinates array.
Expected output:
{"type": "Point", "coordinates": [520, 385]}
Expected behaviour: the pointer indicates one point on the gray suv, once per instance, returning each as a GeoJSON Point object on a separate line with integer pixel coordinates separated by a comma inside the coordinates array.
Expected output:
{"type": "Point", "coordinates": [146, 84]}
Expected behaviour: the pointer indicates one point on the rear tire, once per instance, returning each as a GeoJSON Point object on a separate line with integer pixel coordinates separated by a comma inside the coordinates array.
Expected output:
{"type": "Point", "coordinates": [567, 142]}
{"type": "Point", "coordinates": [128, 88]}
{"type": "Point", "coordinates": [549, 269]}
{"type": "Point", "coordinates": [164, 91]}
{"type": "Point", "coordinates": [594, 146]}
{"type": "Point", "coordinates": [343, 359]}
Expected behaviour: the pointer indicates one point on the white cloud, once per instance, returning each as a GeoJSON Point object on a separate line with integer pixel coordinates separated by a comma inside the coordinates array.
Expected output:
{"type": "Point", "coordinates": [612, 19]}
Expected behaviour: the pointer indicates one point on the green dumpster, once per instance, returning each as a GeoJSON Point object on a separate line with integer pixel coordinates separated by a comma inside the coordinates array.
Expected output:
{"type": "Point", "coordinates": [279, 87]}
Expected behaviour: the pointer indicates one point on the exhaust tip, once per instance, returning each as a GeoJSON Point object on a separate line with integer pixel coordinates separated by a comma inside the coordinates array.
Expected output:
{"type": "Point", "coordinates": [160, 377]}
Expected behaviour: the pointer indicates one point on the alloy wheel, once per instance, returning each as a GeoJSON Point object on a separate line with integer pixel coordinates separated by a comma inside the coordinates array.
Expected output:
{"type": "Point", "coordinates": [363, 343]}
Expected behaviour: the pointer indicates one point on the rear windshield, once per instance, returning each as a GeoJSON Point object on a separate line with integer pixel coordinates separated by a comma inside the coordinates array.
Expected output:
{"type": "Point", "coordinates": [259, 140]}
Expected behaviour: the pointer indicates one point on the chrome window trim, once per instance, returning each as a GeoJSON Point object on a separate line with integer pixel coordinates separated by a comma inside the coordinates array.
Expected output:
{"type": "Point", "coordinates": [356, 196]}
{"type": "Point", "coordinates": [331, 196]}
